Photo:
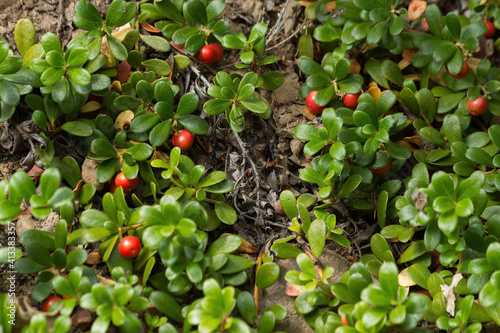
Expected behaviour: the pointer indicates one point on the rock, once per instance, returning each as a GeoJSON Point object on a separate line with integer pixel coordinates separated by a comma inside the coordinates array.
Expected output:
{"type": "Point", "coordinates": [276, 294]}
{"type": "Point", "coordinates": [26, 222]}
{"type": "Point", "coordinates": [296, 146]}
{"type": "Point", "coordinates": [269, 5]}
{"type": "Point", "coordinates": [93, 259]}
{"type": "Point", "coordinates": [81, 319]}
{"type": "Point", "coordinates": [88, 173]}
{"type": "Point", "coordinates": [289, 90]}
{"type": "Point", "coordinates": [491, 328]}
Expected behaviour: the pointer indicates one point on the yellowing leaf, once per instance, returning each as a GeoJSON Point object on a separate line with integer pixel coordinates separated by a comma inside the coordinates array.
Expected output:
{"type": "Point", "coordinates": [404, 279]}
{"type": "Point", "coordinates": [25, 35]}
{"type": "Point", "coordinates": [124, 119]}
{"type": "Point", "coordinates": [107, 52]}
{"type": "Point", "coordinates": [90, 107]}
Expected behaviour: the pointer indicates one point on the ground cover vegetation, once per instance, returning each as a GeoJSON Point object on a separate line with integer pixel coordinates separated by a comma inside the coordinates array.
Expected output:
{"type": "Point", "coordinates": [373, 71]}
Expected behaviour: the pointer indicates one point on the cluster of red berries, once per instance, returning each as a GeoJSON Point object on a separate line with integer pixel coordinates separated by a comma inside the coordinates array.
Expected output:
{"type": "Point", "coordinates": [350, 100]}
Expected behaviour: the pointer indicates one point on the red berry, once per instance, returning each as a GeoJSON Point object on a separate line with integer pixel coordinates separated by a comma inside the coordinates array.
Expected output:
{"type": "Point", "coordinates": [112, 186]}
{"type": "Point", "coordinates": [344, 321]}
{"type": "Point", "coordinates": [219, 50]}
{"type": "Point", "coordinates": [463, 73]}
{"type": "Point", "coordinates": [351, 101]}
{"type": "Point", "coordinates": [383, 170]}
{"type": "Point", "coordinates": [49, 301]}
{"type": "Point", "coordinates": [208, 55]}
{"type": "Point", "coordinates": [311, 103]}
{"type": "Point", "coordinates": [130, 247]}
{"type": "Point", "coordinates": [128, 185]}
{"type": "Point", "coordinates": [477, 107]}
{"type": "Point", "coordinates": [491, 29]}
{"type": "Point", "coordinates": [183, 139]}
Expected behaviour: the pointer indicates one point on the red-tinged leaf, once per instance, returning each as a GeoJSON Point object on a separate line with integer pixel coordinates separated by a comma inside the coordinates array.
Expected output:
{"type": "Point", "coordinates": [171, 61]}
{"type": "Point", "coordinates": [294, 290]}
{"type": "Point", "coordinates": [123, 72]}
{"type": "Point", "coordinates": [35, 172]}
{"type": "Point", "coordinates": [148, 27]}
{"type": "Point", "coordinates": [416, 9]}
{"type": "Point", "coordinates": [179, 48]}
{"type": "Point", "coordinates": [330, 7]}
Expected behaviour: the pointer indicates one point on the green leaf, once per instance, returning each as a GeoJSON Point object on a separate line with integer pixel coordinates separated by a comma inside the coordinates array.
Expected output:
{"type": "Point", "coordinates": [197, 11]}
{"type": "Point", "coordinates": [420, 274]}
{"type": "Point", "coordinates": [50, 42]}
{"type": "Point", "coordinates": [349, 186]}
{"type": "Point", "coordinates": [286, 250]}
{"type": "Point", "coordinates": [479, 156]}
{"type": "Point", "coordinates": [115, 12]}
{"type": "Point", "coordinates": [473, 30]}
{"type": "Point", "coordinates": [376, 33]}
{"type": "Point", "coordinates": [79, 75]}
{"type": "Point", "coordinates": [77, 57]}
{"type": "Point", "coordinates": [433, 17]}
{"type": "Point", "coordinates": [235, 264]}
{"type": "Point", "coordinates": [117, 48]}
{"type": "Point", "coordinates": [375, 70]}
{"type": "Point", "coordinates": [187, 104]}
{"type": "Point", "coordinates": [266, 322]}
{"type": "Point", "coordinates": [167, 305]}
{"type": "Point", "coordinates": [226, 213]}
{"type": "Point", "coordinates": [375, 295]}
{"type": "Point", "coordinates": [106, 170]}
{"type": "Point", "coordinates": [246, 306]}
{"type": "Point", "coordinates": [392, 72]}
{"type": "Point", "coordinates": [443, 184]}
{"type": "Point", "coordinates": [212, 179]}
{"type": "Point", "coordinates": [415, 250]}
{"type": "Point", "coordinates": [7, 254]}
{"type": "Point", "coordinates": [140, 151]}
{"type": "Point", "coordinates": [52, 75]}
{"type": "Point", "coordinates": [313, 176]}
{"type": "Point", "coordinates": [214, 107]}
{"type": "Point", "coordinates": [156, 42]}
{"type": "Point", "coordinates": [306, 132]}
{"type": "Point", "coordinates": [160, 133]}
{"type": "Point", "coordinates": [267, 275]}
{"type": "Point", "coordinates": [449, 102]}
{"type": "Point", "coordinates": [144, 122]}
{"type": "Point", "coordinates": [193, 123]}
{"type": "Point", "coordinates": [225, 244]}
{"type": "Point", "coordinates": [316, 235]}
{"type": "Point", "coordinates": [493, 255]}
{"type": "Point", "coordinates": [289, 204]}
{"type": "Point", "coordinates": [160, 67]}
{"type": "Point", "coordinates": [78, 128]}
{"type": "Point", "coordinates": [309, 66]}
{"type": "Point", "coordinates": [104, 148]}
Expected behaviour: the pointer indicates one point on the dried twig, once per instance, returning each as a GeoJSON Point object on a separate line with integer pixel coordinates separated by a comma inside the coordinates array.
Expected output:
{"type": "Point", "coordinates": [60, 8]}
{"type": "Point", "coordinates": [288, 38]}
{"type": "Point", "coordinates": [279, 23]}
